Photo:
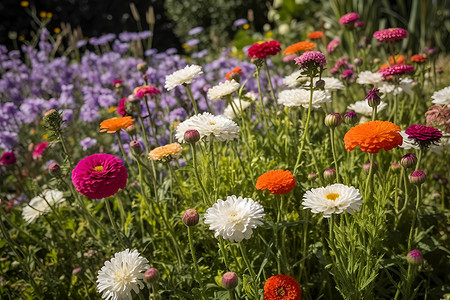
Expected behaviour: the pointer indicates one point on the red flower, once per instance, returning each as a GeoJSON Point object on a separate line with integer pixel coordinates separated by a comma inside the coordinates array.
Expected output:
{"type": "Point", "coordinates": [277, 182]}
{"type": "Point", "coordinates": [282, 287]}
{"type": "Point", "coordinates": [418, 58]}
{"type": "Point", "coordinates": [264, 49]}
{"type": "Point", "coordinates": [39, 149]}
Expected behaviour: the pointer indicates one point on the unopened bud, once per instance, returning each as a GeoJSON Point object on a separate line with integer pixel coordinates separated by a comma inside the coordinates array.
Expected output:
{"type": "Point", "coordinates": [350, 117]}
{"type": "Point", "coordinates": [395, 167]}
{"type": "Point", "coordinates": [191, 136]}
{"type": "Point", "coordinates": [408, 160]}
{"type": "Point", "coordinates": [417, 177]}
{"type": "Point", "coordinates": [151, 275]}
{"type": "Point", "coordinates": [229, 280]}
{"type": "Point", "coordinates": [320, 84]}
{"type": "Point", "coordinates": [142, 67]}
{"type": "Point", "coordinates": [333, 120]}
{"type": "Point", "coordinates": [312, 176]}
{"type": "Point", "coordinates": [414, 257]}
{"type": "Point", "coordinates": [190, 217]}
{"type": "Point", "coordinates": [135, 147]}
{"type": "Point", "coordinates": [54, 169]}
{"type": "Point", "coordinates": [357, 61]}
{"type": "Point", "coordinates": [373, 99]}
{"type": "Point", "coordinates": [329, 174]}
{"type": "Point", "coordinates": [53, 118]}
{"type": "Point", "coordinates": [131, 130]}
{"type": "Point", "coordinates": [366, 168]}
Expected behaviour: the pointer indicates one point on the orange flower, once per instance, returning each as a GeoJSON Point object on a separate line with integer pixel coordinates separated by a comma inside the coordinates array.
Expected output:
{"type": "Point", "coordinates": [418, 58]}
{"type": "Point", "coordinates": [230, 74]}
{"type": "Point", "coordinates": [115, 124]}
{"type": "Point", "coordinates": [315, 35]}
{"type": "Point", "coordinates": [166, 151]}
{"type": "Point", "coordinates": [300, 46]}
{"type": "Point", "coordinates": [277, 182]}
{"type": "Point", "coordinates": [399, 60]}
{"type": "Point", "coordinates": [373, 136]}
{"type": "Point", "coordinates": [282, 287]}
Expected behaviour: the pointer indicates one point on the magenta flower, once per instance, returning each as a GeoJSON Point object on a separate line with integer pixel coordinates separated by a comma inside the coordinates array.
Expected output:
{"type": "Point", "coordinates": [311, 59]}
{"type": "Point", "coordinates": [396, 70]}
{"type": "Point", "coordinates": [121, 107]}
{"type": "Point", "coordinates": [423, 135]}
{"type": "Point", "coordinates": [8, 158]}
{"type": "Point", "coordinates": [360, 24]}
{"type": "Point", "coordinates": [414, 257]}
{"type": "Point", "coordinates": [99, 176]}
{"type": "Point", "coordinates": [39, 149]}
{"type": "Point", "coordinates": [117, 81]}
{"type": "Point", "coordinates": [391, 34]}
{"type": "Point", "coordinates": [332, 45]}
{"type": "Point", "coordinates": [348, 18]}
{"type": "Point", "coordinates": [145, 90]}
{"type": "Point", "coordinates": [264, 49]}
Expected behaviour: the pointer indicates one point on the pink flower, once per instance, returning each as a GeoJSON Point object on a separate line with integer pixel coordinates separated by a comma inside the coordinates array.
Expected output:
{"type": "Point", "coordinates": [8, 158]}
{"type": "Point", "coordinates": [439, 115]}
{"type": "Point", "coordinates": [289, 57]}
{"type": "Point", "coordinates": [121, 107]}
{"type": "Point", "coordinates": [423, 135]}
{"type": "Point", "coordinates": [117, 81]}
{"type": "Point", "coordinates": [391, 34]}
{"type": "Point", "coordinates": [332, 45]}
{"type": "Point", "coordinates": [396, 70]}
{"type": "Point", "coordinates": [311, 59]}
{"type": "Point", "coordinates": [348, 18]}
{"type": "Point", "coordinates": [39, 149]}
{"type": "Point", "coordinates": [99, 176]}
{"type": "Point", "coordinates": [145, 90]}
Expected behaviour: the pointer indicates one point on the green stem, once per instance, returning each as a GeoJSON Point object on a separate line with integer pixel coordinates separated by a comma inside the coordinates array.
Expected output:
{"type": "Point", "coordinates": [369, 180]}
{"type": "Point", "coordinates": [270, 84]}
{"type": "Point", "coordinates": [113, 223]}
{"type": "Point", "coordinates": [197, 276]}
{"type": "Point", "coordinates": [333, 149]}
{"type": "Point", "coordinates": [125, 156]}
{"type": "Point", "coordinates": [374, 112]}
{"type": "Point", "coordinates": [225, 256]}
{"type": "Point", "coordinates": [194, 158]}
{"type": "Point", "coordinates": [141, 123]}
{"type": "Point", "coordinates": [263, 111]}
{"type": "Point", "coordinates": [63, 144]}
{"type": "Point", "coordinates": [194, 104]}
{"type": "Point", "coordinates": [411, 238]}
{"type": "Point", "coordinates": [231, 294]}
{"type": "Point", "coordinates": [419, 158]}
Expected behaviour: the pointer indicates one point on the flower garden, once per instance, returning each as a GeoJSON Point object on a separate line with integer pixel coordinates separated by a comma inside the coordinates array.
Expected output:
{"type": "Point", "coordinates": [306, 168]}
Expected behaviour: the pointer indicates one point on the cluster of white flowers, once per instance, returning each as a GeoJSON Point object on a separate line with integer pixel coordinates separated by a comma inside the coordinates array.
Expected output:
{"type": "Point", "coordinates": [223, 89]}
{"type": "Point", "coordinates": [331, 83]}
{"type": "Point", "coordinates": [367, 77]}
{"type": "Point", "coordinates": [237, 104]}
{"type": "Point", "coordinates": [235, 218]}
{"type": "Point", "coordinates": [300, 97]}
{"type": "Point", "coordinates": [182, 76]}
{"type": "Point", "coordinates": [362, 107]}
{"type": "Point", "coordinates": [295, 79]}
{"type": "Point", "coordinates": [121, 274]}
{"type": "Point", "coordinates": [41, 205]}
{"type": "Point", "coordinates": [222, 128]}
{"type": "Point", "coordinates": [333, 199]}
{"type": "Point", "coordinates": [442, 97]}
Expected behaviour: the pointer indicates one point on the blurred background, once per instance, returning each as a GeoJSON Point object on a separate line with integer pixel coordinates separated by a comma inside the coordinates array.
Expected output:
{"type": "Point", "coordinates": [225, 23]}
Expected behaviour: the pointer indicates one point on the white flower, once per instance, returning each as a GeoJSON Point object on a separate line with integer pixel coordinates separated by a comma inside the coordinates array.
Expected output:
{"type": "Point", "coordinates": [387, 88]}
{"type": "Point", "coordinates": [182, 76]}
{"type": "Point", "coordinates": [223, 129]}
{"type": "Point", "coordinates": [407, 142]}
{"type": "Point", "coordinates": [333, 199]}
{"type": "Point", "coordinates": [442, 97]}
{"type": "Point", "coordinates": [235, 218]}
{"type": "Point", "coordinates": [331, 83]}
{"type": "Point", "coordinates": [362, 107]}
{"type": "Point", "coordinates": [40, 205]}
{"type": "Point", "coordinates": [406, 85]}
{"type": "Point", "coordinates": [223, 89]}
{"type": "Point", "coordinates": [237, 105]}
{"type": "Point", "coordinates": [367, 77]}
{"type": "Point", "coordinates": [295, 79]}
{"type": "Point", "coordinates": [297, 97]}
{"type": "Point", "coordinates": [122, 274]}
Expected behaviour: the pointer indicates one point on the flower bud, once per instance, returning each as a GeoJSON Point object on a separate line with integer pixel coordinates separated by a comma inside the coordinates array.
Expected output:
{"type": "Point", "coordinates": [133, 99]}
{"type": "Point", "coordinates": [191, 136]}
{"type": "Point", "coordinates": [443, 181]}
{"type": "Point", "coordinates": [350, 117]}
{"type": "Point", "coordinates": [142, 67]}
{"type": "Point", "coordinates": [320, 84]}
{"type": "Point", "coordinates": [357, 61]}
{"type": "Point", "coordinates": [376, 60]}
{"type": "Point", "coordinates": [311, 176]}
{"type": "Point", "coordinates": [229, 280]}
{"type": "Point", "coordinates": [414, 257]}
{"type": "Point", "coordinates": [366, 168]}
{"type": "Point", "coordinates": [54, 169]}
{"type": "Point", "coordinates": [151, 275]}
{"type": "Point", "coordinates": [373, 99]}
{"type": "Point", "coordinates": [417, 177]}
{"type": "Point", "coordinates": [258, 62]}
{"type": "Point", "coordinates": [408, 160]}
{"type": "Point", "coordinates": [135, 147]}
{"type": "Point", "coordinates": [53, 118]}
{"type": "Point", "coordinates": [329, 174]}
{"type": "Point", "coordinates": [77, 270]}
{"type": "Point", "coordinates": [333, 120]}
{"type": "Point", "coordinates": [131, 130]}
{"type": "Point", "coordinates": [190, 217]}
{"type": "Point", "coordinates": [395, 167]}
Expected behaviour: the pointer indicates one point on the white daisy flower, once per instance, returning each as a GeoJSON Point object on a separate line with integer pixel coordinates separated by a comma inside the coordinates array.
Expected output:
{"type": "Point", "coordinates": [297, 97]}
{"type": "Point", "coordinates": [333, 199]}
{"type": "Point", "coordinates": [295, 79]}
{"type": "Point", "coordinates": [362, 107]}
{"type": "Point", "coordinates": [407, 142]}
{"type": "Point", "coordinates": [235, 218]}
{"type": "Point", "coordinates": [182, 76]}
{"type": "Point", "coordinates": [367, 77]}
{"type": "Point", "coordinates": [223, 89]}
{"type": "Point", "coordinates": [406, 85]}
{"type": "Point", "coordinates": [121, 274]}
{"type": "Point", "coordinates": [223, 129]}
{"type": "Point", "coordinates": [331, 83]}
{"type": "Point", "coordinates": [40, 205]}
{"type": "Point", "coordinates": [387, 88]}
{"type": "Point", "coordinates": [237, 105]}
{"type": "Point", "coordinates": [442, 97]}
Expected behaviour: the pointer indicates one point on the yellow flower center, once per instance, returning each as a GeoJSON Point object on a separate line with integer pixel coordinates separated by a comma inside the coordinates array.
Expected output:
{"type": "Point", "coordinates": [98, 168]}
{"type": "Point", "coordinates": [281, 291]}
{"type": "Point", "coordinates": [212, 123]}
{"type": "Point", "coordinates": [246, 26]}
{"type": "Point", "coordinates": [332, 196]}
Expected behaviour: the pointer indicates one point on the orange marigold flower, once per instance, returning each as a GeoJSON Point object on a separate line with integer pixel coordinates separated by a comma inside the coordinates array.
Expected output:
{"type": "Point", "coordinates": [373, 136]}
{"type": "Point", "coordinates": [418, 58]}
{"type": "Point", "coordinates": [282, 287]}
{"type": "Point", "coordinates": [315, 35]}
{"type": "Point", "coordinates": [166, 151]}
{"type": "Point", "coordinates": [236, 70]}
{"type": "Point", "coordinates": [277, 182]}
{"type": "Point", "coordinates": [300, 46]}
{"type": "Point", "coordinates": [384, 66]}
{"type": "Point", "coordinates": [399, 60]}
{"type": "Point", "coordinates": [115, 124]}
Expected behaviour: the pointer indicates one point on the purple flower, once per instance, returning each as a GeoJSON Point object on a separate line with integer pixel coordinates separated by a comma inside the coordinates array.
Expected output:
{"type": "Point", "coordinates": [240, 22]}
{"type": "Point", "coordinates": [192, 43]}
{"type": "Point", "coordinates": [332, 45]}
{"type": "Point", "coordinates": [423, 135]}
{"type": "Point", "coordinates": [195, 30]}
{"type": "Point", "coordinates": [87, 143]}
{"type": "Point", "coordinates": [311, 59]}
